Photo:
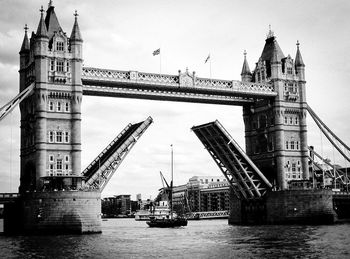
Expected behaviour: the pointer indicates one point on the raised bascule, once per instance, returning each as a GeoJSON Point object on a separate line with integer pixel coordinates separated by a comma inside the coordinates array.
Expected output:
{"type": "Point", "coordinates": [56, 195]}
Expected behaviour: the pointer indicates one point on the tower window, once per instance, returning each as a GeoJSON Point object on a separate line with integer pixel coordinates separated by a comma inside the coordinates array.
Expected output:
{"type": "Point", "coordinates": [66, 166]}
{"type": "Point", "coordinates": [293, 167]}
{"type": "Point", "coordinates": [68, 66]}
{"type": "Point", "coordinates": [59, 106]}
{"type": "Point", "coordinates": [66, 158]}
{"type": "Point", "coordinates": [60, 46]}
{"type": "Point", "coordinates": [51, 136]}
{"type": "Point", "coordinates": [51, 158]}
{"type": "Point", "coordinates": [59, 164]}
{"type": "Point", "coordinates": [285, 120]}
{"type": "Point", "coordinates": [66, 137]}
{"type": "Point", "coordinates": [67, 107]}
{"type": "Point", "coordinates": [297, 144]}
{"type": "Point", "coordinates": [292, 145]}
{"type": "Point", "coordinates": [51, 107]}
{"type": "Point", "coordinates": [296, 120]}
{"type": "Point", "coordinates": [291, 120]}
{"type": "Point", "coordinates": [287, 144]}
{"type": "Point", "coordinates": [59, 137]}
{"type": "Point", "coordinates": [52, 65]}
{"type": "Point", "coordinates": [289, 70]}
{"type": "Point", "coordinates": [59, 66]}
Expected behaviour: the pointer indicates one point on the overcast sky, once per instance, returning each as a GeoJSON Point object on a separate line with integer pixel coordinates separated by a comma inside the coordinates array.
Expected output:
{"type": "Point", "coordinates": [123, 34]}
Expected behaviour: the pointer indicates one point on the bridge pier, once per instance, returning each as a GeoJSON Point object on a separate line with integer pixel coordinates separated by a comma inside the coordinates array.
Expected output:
{"type": "Point", "coordinates": [64, 212]}
{"type": "Point", "coordinates": [312, 206]}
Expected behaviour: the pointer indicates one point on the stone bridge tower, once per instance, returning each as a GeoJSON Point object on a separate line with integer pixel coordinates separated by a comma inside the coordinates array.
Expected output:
{"type": "Point", "coordinates": [275, 130]}
{"type": "Point", "coordinates": [51, 116]}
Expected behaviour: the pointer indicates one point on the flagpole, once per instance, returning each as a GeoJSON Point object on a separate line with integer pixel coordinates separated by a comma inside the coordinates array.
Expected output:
{"type": "Point", "coordinates": [160, 61]}
{"type": "Point", "coordinates": [210, 65]}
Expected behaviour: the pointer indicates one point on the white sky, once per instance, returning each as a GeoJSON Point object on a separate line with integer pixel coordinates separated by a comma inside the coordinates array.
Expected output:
{"type": "Point", "coordinates": [123, 34]}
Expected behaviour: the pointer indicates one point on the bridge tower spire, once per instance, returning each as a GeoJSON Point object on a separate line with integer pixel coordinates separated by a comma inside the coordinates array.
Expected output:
{"type": "Point", "coordinates": [246, 75]}
{"type": "Point", "coordinates": [51, 116]}
{"type": "Point", "coordinates": [276, 128]}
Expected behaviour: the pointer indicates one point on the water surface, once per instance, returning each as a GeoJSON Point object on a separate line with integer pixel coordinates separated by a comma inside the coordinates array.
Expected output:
{"type": "Point", "coordinates": [126, 238]}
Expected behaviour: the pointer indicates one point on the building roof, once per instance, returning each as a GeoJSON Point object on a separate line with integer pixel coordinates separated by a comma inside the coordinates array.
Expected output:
{"type": "Point", "coordinates": [272, 50]}
{"type": "Point", "coordinates": [75, 35]}
{"type": "Point", "coordinates": [41, 31]}
{"type": "Point", "coordinates": [298, 59]}
{"type": "Point", "coordinates": [245, 68]}
{"type": "Point", "coordinates": [51, 21]}
{"type": "Point", "coordinates": [25, 43]}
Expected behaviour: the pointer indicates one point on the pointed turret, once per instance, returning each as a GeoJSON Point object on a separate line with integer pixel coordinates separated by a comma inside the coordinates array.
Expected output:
{"type": "Point", "coordinates": [299, 64]}
{"type": "Point", "coordinates": [246, 75]}
{"type": "Point", "coordinates": [75, 35]}
{"type": "Point", "coordinates": [41, 31]}
{"type": "Point", "coordinates": [25, 43]}
{"type": "Point", "coordinates": [298, 59]}
{"type": "Point", "coordinates": [51, 21]}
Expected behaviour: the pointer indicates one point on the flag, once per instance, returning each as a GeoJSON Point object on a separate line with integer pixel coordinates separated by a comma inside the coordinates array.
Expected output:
{"type": "Point", "coordinates": [156, 52]}
{"type": "Point", "coordinates": [206, 60]}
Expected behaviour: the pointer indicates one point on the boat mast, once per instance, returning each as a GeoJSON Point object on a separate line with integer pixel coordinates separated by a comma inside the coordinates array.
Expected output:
{"type": "Point", "coordinates": [172, 181]}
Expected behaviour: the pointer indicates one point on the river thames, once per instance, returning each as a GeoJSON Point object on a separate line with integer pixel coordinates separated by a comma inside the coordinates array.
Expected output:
{"type": "Point", "coordinates": [127, 238]}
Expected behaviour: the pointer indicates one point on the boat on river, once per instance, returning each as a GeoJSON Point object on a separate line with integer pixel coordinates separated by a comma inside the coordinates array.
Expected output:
{"type": "Point", "coordinates": [172, 220]}
{"type": "Point", "coordinates": [169, 222]}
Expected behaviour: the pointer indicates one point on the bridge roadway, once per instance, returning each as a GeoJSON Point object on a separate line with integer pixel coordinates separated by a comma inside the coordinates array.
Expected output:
{"type": "Point", "coordinates": [183, 87]}
{"type": "Point", "coordinates": [8, 197]}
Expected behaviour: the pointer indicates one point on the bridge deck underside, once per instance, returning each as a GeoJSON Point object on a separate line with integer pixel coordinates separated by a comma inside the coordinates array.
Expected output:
{"type": "Point", "coordinates": [245, 178]}
{"type": "Point", "coordinates": [132, 84]}
{"type": "Point", "coordinates": [101, 169]}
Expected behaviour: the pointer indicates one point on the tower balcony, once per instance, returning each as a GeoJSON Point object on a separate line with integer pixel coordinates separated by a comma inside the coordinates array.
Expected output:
{"type": "Point", "coordinates": [59, 77]}
{"type": "Point", "coordinates": [59, 172]}
{"type": "Point", "coordinates": [291, 96]}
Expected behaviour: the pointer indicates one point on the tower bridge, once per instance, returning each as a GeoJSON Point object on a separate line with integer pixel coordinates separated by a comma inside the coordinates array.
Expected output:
{"type": "Point", "coordinates": [56, 195]}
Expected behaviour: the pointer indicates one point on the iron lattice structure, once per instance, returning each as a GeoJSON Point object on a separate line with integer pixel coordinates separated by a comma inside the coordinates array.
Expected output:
{"type": "Point", "coordinates": [8, 107]}
{"type": "Point", "coordinates": [246, 179]}
{"type": "Point", "coordinates": [101, 169]}
{"type": "Point", "coordinates": [184, 87]}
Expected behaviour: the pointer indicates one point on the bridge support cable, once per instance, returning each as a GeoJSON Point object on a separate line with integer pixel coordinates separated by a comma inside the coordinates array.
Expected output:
{"type": "Point", "coordinates": [333, 172]}
{"type": "Point", "coordinates": [246, 180]}
{"type": "Point", "coordinates": [8, 107]}
{"type": "Point", "coordinates": [342, 148]}
{"type": "Point", "coordinates": [101, 169]}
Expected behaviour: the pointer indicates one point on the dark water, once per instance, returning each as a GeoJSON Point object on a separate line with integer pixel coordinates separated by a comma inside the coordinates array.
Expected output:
{"type": "Point", "coordinates": [126, 238]}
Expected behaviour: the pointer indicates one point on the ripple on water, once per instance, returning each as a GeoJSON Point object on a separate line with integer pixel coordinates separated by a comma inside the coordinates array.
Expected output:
{"type": "Point", "coordinates": [126, 238]}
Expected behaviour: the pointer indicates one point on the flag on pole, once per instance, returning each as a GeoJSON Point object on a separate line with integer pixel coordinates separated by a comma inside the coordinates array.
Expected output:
{"type": "Point", "coordinates": [156, 52]}
{"type": "Point", "coordinates": [206, 60]}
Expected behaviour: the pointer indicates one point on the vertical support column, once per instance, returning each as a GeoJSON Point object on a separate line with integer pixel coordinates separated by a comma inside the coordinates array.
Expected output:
{"type": "Point", "coordinates": [40, 99]}
{"type": "Point", "coordinates": [77, 93]}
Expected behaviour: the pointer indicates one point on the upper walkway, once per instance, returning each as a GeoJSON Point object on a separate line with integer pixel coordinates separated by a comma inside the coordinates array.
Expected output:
{"type": "Point", "coordinates": [184, 87]}
{"type": "Point", "coordinates": [8, 197]}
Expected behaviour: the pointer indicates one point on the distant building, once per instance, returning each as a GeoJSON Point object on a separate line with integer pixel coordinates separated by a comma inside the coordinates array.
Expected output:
{"type": "Point", "coordinates": [202, 193]}
{"type": "Point", "coordinates": [117, 205]}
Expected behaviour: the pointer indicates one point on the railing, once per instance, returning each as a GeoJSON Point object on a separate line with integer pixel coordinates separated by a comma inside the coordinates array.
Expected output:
{"type": "Point", "coordinates": [9, 195]}
{"type": "Point", "coordinates": [96, 76]}
{"type": "Point", "coordinates": [246, 179]}
{"type": "Point", "coordinates": [58, 172]}
{"type": "Point", "coordinates": [209, 214]}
